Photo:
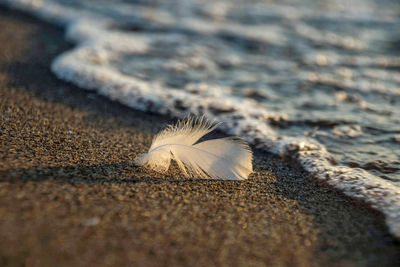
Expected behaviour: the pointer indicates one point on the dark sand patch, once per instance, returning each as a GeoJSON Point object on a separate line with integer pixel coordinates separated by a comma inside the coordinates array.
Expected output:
{"type": "Point", "coordinates": [70, 196]}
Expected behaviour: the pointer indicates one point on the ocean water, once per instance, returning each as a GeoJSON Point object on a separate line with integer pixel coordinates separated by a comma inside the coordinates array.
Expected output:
{"type": "Point", "coordinates": [315, 81]}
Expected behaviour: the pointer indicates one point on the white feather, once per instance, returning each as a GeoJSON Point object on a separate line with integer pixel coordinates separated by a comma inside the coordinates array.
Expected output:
{"type": "Point", "coordinates": [225, 158]}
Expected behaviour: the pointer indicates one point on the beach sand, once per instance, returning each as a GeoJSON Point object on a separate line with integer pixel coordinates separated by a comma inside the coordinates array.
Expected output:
{"type": "Point", "coordinates": [71, 196]}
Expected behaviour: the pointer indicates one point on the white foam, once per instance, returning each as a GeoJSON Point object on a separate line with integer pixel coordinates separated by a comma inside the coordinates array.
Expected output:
{"type": "Point", "coordinates": [98, 44]}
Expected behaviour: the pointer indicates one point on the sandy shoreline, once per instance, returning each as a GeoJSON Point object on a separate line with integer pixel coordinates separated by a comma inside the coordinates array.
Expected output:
{"type": "Point", "coordinates": [69, 194]}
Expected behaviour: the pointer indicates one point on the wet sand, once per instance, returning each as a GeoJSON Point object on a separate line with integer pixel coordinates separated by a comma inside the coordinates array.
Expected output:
{"type": "Point", "coordinates": [71, 196]}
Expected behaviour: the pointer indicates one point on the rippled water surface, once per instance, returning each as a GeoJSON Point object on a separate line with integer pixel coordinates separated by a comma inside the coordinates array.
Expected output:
{"type": "Point", "coordinates": [329, 69]}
